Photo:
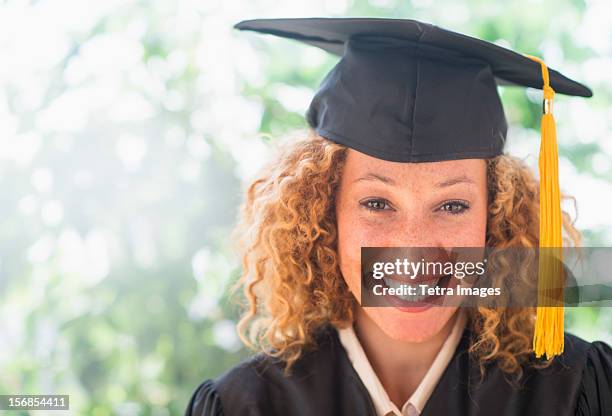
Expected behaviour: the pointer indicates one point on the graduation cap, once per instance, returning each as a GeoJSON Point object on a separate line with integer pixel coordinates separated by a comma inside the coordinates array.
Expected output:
{"type": "Point", "coordinates": [409, 91]}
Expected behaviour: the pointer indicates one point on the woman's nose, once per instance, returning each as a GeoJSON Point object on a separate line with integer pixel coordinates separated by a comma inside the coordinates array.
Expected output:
{"type": "Point", "coordinates": [412, 231]}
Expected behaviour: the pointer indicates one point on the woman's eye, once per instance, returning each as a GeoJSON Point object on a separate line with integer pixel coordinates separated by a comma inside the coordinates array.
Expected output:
{"type": "Point", "coordinates": [375, 204]}
{"type": "Point", "coordinates": [455, 207]}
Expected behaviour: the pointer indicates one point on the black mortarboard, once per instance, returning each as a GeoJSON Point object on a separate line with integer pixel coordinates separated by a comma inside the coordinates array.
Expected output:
{"type": "Point", "coordinates": [408, 91]}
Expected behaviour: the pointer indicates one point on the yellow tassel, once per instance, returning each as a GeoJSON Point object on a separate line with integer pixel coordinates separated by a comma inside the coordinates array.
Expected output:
{"type": "Point", "coordinates": [549, 327]}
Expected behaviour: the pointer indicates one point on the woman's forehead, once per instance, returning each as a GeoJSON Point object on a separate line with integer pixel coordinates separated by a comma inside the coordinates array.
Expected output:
{"type": "Point", "coordinates": [360, 165]}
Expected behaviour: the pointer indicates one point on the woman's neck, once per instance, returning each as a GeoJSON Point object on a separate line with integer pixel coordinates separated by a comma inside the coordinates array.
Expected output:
{"type": "Point", "coordinates": [399, 365]}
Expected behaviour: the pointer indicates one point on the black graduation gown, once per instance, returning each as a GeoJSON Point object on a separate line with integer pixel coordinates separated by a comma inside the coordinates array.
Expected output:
{"type": "Point", "coordinates": [324, 383]}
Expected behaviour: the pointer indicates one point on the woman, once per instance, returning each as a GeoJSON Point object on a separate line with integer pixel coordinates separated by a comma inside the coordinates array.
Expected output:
{"type": "Point", "coordinates": [395, 160]}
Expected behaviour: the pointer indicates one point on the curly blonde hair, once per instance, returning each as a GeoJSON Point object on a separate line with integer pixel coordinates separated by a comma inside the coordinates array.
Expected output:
{"type": "Point", "coordinates": [286, 237]}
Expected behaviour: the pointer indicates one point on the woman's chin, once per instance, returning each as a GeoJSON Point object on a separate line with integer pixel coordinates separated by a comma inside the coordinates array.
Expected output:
{"type": "Point", "coordinates": [409, 326]}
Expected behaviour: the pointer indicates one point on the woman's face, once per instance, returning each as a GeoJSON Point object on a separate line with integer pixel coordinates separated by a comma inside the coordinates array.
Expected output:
{"type": "Point", "coordinates": [391, 204]}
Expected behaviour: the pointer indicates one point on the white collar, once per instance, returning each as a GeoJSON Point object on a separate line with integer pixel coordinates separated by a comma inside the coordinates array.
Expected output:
{"type": "Point", "coordinates": [415, 404]}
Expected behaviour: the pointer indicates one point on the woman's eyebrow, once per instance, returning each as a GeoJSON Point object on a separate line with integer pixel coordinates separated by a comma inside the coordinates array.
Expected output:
{"type": "Point", "coordinates": [454, 181]}
{"type": "Point", "coordinates": [375, 177]}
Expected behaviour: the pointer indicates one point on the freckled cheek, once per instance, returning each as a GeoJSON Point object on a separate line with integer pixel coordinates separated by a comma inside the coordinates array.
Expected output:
{"type": "Point", "coordinates": [474, 237]}
{"type": "Point", "coordinates": [470, 233]}
{"type": "Point", "coordinates": [354, 233]}
{"type": "Point", "coordinates": [357, 230]}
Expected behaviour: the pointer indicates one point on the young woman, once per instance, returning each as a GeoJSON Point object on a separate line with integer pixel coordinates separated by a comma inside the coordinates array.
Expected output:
{"type": "Point", "coordinates": [390, 162]}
